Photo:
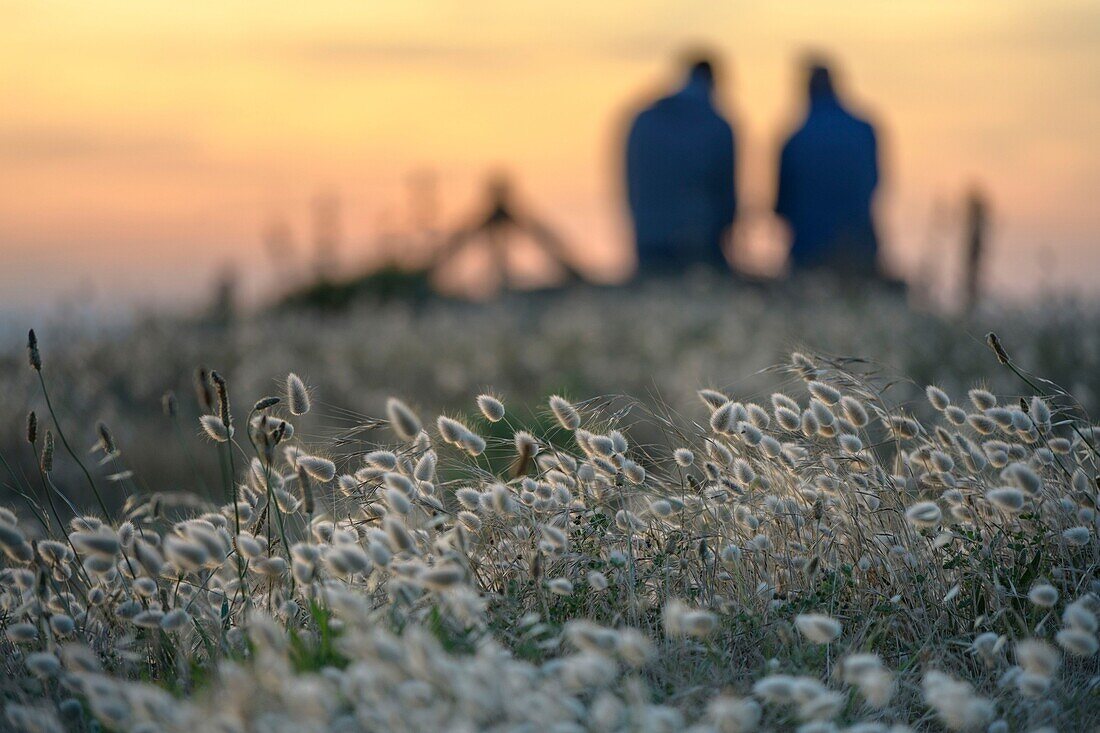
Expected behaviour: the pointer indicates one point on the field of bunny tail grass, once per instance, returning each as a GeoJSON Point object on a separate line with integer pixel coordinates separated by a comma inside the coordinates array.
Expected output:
{"type": "Point", "coordinates": [666, 508]}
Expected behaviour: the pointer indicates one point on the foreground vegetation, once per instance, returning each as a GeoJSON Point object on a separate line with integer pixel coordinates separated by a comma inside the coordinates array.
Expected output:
{"type": "Point", "coordinates": [832, 556]}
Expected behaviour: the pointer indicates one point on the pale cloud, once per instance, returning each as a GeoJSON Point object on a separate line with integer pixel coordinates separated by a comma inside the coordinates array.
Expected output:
{"type": "Point", "coordinates": [44, 144]}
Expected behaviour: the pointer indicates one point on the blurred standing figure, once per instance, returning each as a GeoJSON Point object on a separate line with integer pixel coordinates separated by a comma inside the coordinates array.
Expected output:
{"type": "Point", "coordinates": [680, 178]}
{"type": "Point", "coordinates": [828, 172]}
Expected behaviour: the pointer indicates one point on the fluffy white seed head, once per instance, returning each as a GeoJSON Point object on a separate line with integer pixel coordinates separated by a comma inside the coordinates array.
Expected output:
{"type": "Point", "coordinates": [955, 415]}
{"type": "Point", "coordinates": [1077, 642]}
{"type": "Point", "coordinates": [712, 398]}
{"type": "Point", "coordinates": [1077, 536]}
{"type": "Point", "coordinates": [854, 410]}
{"type": "Point", "coordinates": [826, 393]}
{"type": "Point", "coordinates": [924, 514]}
{"type": "Point", "coordinates": [1037, 657]}
{"type": "Point", "coordinates": [955, 702]}
{"type": "Point", "coordinates": [787, 418]}
{"type": "Point", "coordinates": [1006, 498]}
{"type": "Point", "coordinates": [297, 396]}
{"type": "Point", "coordinates": [982, 399]}
{"type": "Point", "coordinates": [215, 429]}
{"type": "Point", "coordinates": [722, 420]}
{"type": "Point", "coordinates": [318, 468]}
{"type": "Point", "coordinates": [1079, 616]}
{"type": "Point", "coordinates": [566, 415]}
{"type": "Point", "coordinates": [937, 397]}
{"type": "Point", "coordinates": [491, 407]}
{"type": "Point", "coordinates": [451, 430]}
{"type": "Point", "coordinates": [402, 419]}
{"type": "Point", "coordinates": [560, 586]}
{"type": "Point", "coordinates": [681, 620]}
{"type": "Point", "coordinates": [818, 628]}
{"type": "Point", "coordinates": [1043, 595]}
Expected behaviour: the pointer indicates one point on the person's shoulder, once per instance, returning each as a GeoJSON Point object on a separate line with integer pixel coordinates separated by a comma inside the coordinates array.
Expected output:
{"type": "Point", "coordinates": [645, 117]}
{"type": "Point", "coordinates": [800, 131]}
{"type": "Point", "coordinates": [720, 120]}
{"type": "Point", "coordinates": [654, 110]}
{"type": "Point", "coordinates": [864, 128]}
{"type": "Point", "coordinates": [858, 119]}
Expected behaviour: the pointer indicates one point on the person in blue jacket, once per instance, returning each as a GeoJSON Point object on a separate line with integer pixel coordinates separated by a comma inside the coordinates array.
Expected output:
{"type": "Point", "coordinates": [828, 172]}
{"type": "Point", "coordinates": [680, 178]}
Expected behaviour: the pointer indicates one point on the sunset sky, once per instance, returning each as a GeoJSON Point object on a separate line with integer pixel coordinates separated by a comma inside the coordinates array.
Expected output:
{"type": "Point", "coordinates": [145, 145]}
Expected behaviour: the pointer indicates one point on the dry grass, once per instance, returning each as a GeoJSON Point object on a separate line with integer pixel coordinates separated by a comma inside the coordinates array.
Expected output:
{"type": "Point", "coordinates": [837, 555]}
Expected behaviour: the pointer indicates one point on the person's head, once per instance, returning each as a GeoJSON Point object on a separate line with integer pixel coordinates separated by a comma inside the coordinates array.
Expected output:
{"type": "Point", "coordinates": [819, 78]}
{"type": "Point", "coordinates": [700, 69]}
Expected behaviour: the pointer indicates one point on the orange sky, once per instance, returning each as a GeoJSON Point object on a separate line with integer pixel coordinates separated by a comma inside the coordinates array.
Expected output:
{"type": "Point", "coordinates": [144, 144]}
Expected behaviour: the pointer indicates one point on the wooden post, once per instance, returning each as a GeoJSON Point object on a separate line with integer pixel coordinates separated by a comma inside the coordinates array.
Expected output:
{"type": "Point", "coordinates": [977, 214]}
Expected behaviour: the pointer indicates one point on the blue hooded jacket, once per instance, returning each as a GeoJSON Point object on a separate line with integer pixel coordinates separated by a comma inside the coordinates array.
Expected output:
{"type": "Point", "coordinates": [828, 172]}
{"type": "Point", "coordinates": [680, 179]}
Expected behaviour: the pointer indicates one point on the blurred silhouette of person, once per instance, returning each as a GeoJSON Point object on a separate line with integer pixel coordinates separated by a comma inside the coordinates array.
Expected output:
{"type": "Point", "coordinates": [828, 172]}
{"type": "Point", "coordinates": [680, 177]}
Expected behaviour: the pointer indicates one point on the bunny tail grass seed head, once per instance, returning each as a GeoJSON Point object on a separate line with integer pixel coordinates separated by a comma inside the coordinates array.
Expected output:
{"type": "Point", "coordinates": [787, 418]}
{"type": "Point", "coordinates": [1006, 498]}
{"type": "Point", "coordinates": [982, 399]}
{"type": "Point", "coordinates": [381, 459]}
{"type": "Point", "coordinates": [567, 415]}
{"type": "Point", "coordinates": [924, 514]}
{"type": "Point", "coordinates": [560, 586]}
{"type": "Point", "coordinates": [956, 703]}
{"type": "Point", "coordinates": [526, 449]}
{"type": "Point", "coordinates": [824, 392]}
{"type": "Point", "coordinates": [33, 355]}
{"type": "Point", "coordinates": [724, 419]}
{"type": "Point", "coordinates": [1043, 595]}
{"type": "Point", "coordinates": [106, 440]}
{"type": "Point", "coordinates": [854, 411]}
{"type": "Point", "coordinates": [403, 420]}
{"type": "Point", "coordinates": [818, 628]}
{"type": "Point", "coordinates": [442, 577]}
{"type": "Point", "coordinates": [320, 469]}
{"type": "Point", "coordinates": [995, 344]}
{"type": "Point", "coordinates": [204, 390]}
{"type": "Point", "coordinates": [491, 407]}
{"type": "Point", "coordinates": [305, 485]}
{"type": "Point", "coordinates": [1077, 642]}
{"type": "Point", "coordinates": [221, 388]}
{"type": "Point", "coordinates": [937, 397]}
{"type": "Point", "coordinates": [215, 428]}
{"type": "Point", "coordinates": [683, 621]}
{"type": "Point", "coordinates": [169, 404]}
{"type": "Point", "coordinates": [683, 457]}
{"type": "Point", "coordinates": [472, 443]}
{"type": "Point", "coordinates": [1077, 536]}
{"type": "Point", "coordinates": [297, 396]}
{"type": "Point", "coordinates": [451, 430]}
{"type": "Point", "coordinates": [46, 459]}
{"type": "Point", "coordinates": [1080, 615]}
{"type": "Point", "coordinates": [266, 403]}
{"type": "Point", "coordinates": [803, 365]}
{"type": "Point", "coordinates": [712, 398]}
{"type": "Point", "coordinates": [14, 544]}
{"type": "Point", "coordinates": [1038, 657]}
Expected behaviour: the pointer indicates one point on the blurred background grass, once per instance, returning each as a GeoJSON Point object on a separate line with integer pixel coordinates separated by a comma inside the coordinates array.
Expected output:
{"type": "Point", "coordinates": [654, 342]}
